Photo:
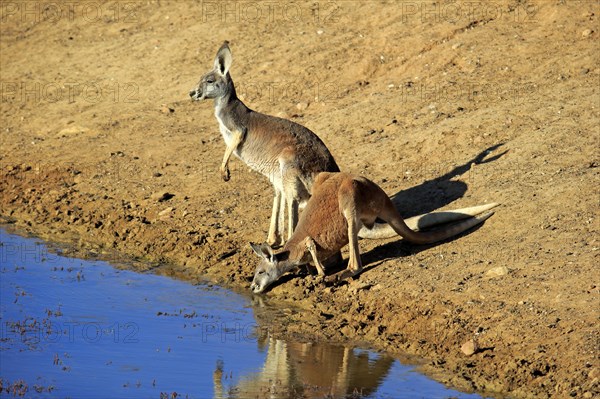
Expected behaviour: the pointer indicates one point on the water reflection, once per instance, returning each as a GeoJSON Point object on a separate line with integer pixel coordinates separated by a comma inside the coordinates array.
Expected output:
{"type": "Point", "coordinates": [74, 328]}
{"type": "Point", "coordinates": [307, 370]}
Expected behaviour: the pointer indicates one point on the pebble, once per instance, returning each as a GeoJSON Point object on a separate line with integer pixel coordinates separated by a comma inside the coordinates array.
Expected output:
{"type": "Point", "coordinates": [456, 45]}
{"type": "Point", "coordinates": [357, 286]}
{"type": "Point", "coordinates": [301, 106]}
{"type": "Point", "coordinates": [376, 287]}
{"type": "Point", "coordinates": [586, 32]}
{"type": "Point", "coordinates": [72, 131]}
{"type": "Point", "coordinates": [165, 211]}
{"type": "Point", "coordinates": [470, 347]}
{"type": "Point", "coordinates": [497, 271]}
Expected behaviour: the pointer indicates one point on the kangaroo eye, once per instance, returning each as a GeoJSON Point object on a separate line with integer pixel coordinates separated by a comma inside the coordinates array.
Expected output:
{"type": "Point", "coordinates": [261, 272]}
{"type": "Point", "coordinates": [210, 80]}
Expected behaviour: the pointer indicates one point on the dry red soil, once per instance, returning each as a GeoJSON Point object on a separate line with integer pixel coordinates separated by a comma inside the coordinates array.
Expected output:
{"type": "Point", "coordinates": [445, 105]}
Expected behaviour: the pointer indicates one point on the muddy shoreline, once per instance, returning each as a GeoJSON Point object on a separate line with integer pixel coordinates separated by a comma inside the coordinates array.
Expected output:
{"type": "Point", "coordinates": [301, 316]}
{"type": "Point", "coordinates": [419, 322]}
{"type": "Point", "coordinates": [102, 149]}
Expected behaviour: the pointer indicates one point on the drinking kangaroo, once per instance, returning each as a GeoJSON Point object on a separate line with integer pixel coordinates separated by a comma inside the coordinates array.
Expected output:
{"type": "Point", "coordinates": [288, 154]}
{"type": "Point", "coordinates": [340, 206]}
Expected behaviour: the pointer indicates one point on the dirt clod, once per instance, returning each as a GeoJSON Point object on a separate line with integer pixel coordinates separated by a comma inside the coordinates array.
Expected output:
{"type": "Point", "coordinates": [497, 271]}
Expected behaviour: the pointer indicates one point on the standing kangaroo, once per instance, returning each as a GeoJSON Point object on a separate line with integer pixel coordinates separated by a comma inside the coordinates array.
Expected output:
{"type": "Point", "coordinates": [340, 207]}
{"type": "Point", "coordinates": [288, 154]}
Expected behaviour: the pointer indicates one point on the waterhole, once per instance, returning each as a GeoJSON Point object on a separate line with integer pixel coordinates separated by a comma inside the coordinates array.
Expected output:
{"type": "Point", "coordinates": [73, 328]}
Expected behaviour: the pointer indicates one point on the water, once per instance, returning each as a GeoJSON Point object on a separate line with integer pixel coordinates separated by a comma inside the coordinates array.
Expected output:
{"type": "Point", "coordinates": [84, 329]}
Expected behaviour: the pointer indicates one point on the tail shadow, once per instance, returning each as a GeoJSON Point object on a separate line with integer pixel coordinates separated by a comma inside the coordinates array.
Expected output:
{"type": "Point", "coordinates": [402, 248]}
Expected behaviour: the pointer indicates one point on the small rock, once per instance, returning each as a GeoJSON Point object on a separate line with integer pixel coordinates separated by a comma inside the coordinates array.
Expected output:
{"type": "Point", "coordinates": [587, 395]}
{"type": "Point", "coordinates": [470, 347]}
{"type": "Point", "coordinates": [497, 271]}
{"type": "Point", "coordinates": [584, 71]}
{"type": "Point", "coordinates": [356, 286]}
{"type": "Point", "coordinates": [156, 174]}
{"type": "Point", "coordinates": [166, 109]}
{"type": "Point", "coordinates": [301, 106]}
{"type": "Point", "coordinates": [586, 32]}
{"type": "Point", "coordinates": [165, 211]}
{"type": "Point", "coordinates": [72, 131]}
{"type": "Point", "coordinates": [161, 196]}
{"type": "Point", "coordinates": [456, 45]}
{"type": "Point", "coordinates": [320, 32]}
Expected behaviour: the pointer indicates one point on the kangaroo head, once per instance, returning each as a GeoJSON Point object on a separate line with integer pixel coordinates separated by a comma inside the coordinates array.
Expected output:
{"type": "Point", "coordinates": [215, 83]}
{"type": "Point", "coordinates": [270, 268]}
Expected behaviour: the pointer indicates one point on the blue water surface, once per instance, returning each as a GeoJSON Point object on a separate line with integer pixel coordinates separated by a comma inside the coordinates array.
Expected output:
{"type": "Point", "coordinates": [74, 328]}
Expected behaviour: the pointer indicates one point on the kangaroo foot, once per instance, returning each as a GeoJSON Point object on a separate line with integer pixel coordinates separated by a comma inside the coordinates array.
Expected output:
{"type": "Point", "coordinates": [344, 275]}
{"type": "Point", "coordinates": [225, 174]}
{"type": "Point", "coordinates": [274, 241]}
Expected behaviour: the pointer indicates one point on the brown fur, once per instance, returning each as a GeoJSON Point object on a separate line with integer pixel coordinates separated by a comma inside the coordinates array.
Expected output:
{"type": "Point", "coordinates": [289, 154]}
{"type": "Point", "coordinates": [340, 206]}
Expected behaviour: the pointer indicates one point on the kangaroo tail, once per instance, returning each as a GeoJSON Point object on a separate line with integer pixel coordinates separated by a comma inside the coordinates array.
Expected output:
{"type": "Point", "coordinates": [415, 223]}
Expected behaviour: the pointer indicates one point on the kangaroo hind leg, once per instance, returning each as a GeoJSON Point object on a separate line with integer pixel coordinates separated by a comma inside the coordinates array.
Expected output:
{"type": "Point", "coordinates": [275, 236]}
{"type": "Point", "coordinates": [347, 198]}
{"type": "Point", "coordinates": [293, 189]}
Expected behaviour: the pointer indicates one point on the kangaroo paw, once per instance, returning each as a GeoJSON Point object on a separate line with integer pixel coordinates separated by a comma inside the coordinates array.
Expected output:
{"type": "Point", "coordinates": [225, 173]}
{"type": "Point", "coordinates": [346, 274]}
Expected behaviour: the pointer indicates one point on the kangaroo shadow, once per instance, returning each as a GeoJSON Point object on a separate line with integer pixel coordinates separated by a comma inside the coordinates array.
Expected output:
{"type": "Point", "coordinates": [424, 198]}
{"type": "Point", "coordinates": [401, 248]}
{"type": "Point", "coordinates": [440, 191]}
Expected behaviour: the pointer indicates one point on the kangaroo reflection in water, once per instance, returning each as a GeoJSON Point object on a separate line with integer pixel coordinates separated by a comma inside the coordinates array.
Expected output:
{"type": "Point", "coordinates": [307, 370]}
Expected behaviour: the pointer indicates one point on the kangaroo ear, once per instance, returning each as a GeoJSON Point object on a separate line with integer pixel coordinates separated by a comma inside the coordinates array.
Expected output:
{"type": "Point", "coordinates": [223, 59]}
{"type": "Point", "coordinates": [263, 250]}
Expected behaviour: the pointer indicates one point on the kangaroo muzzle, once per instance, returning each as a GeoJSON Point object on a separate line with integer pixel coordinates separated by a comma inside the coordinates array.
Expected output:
{"type": "Point", "coordinates": [196, 95]}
